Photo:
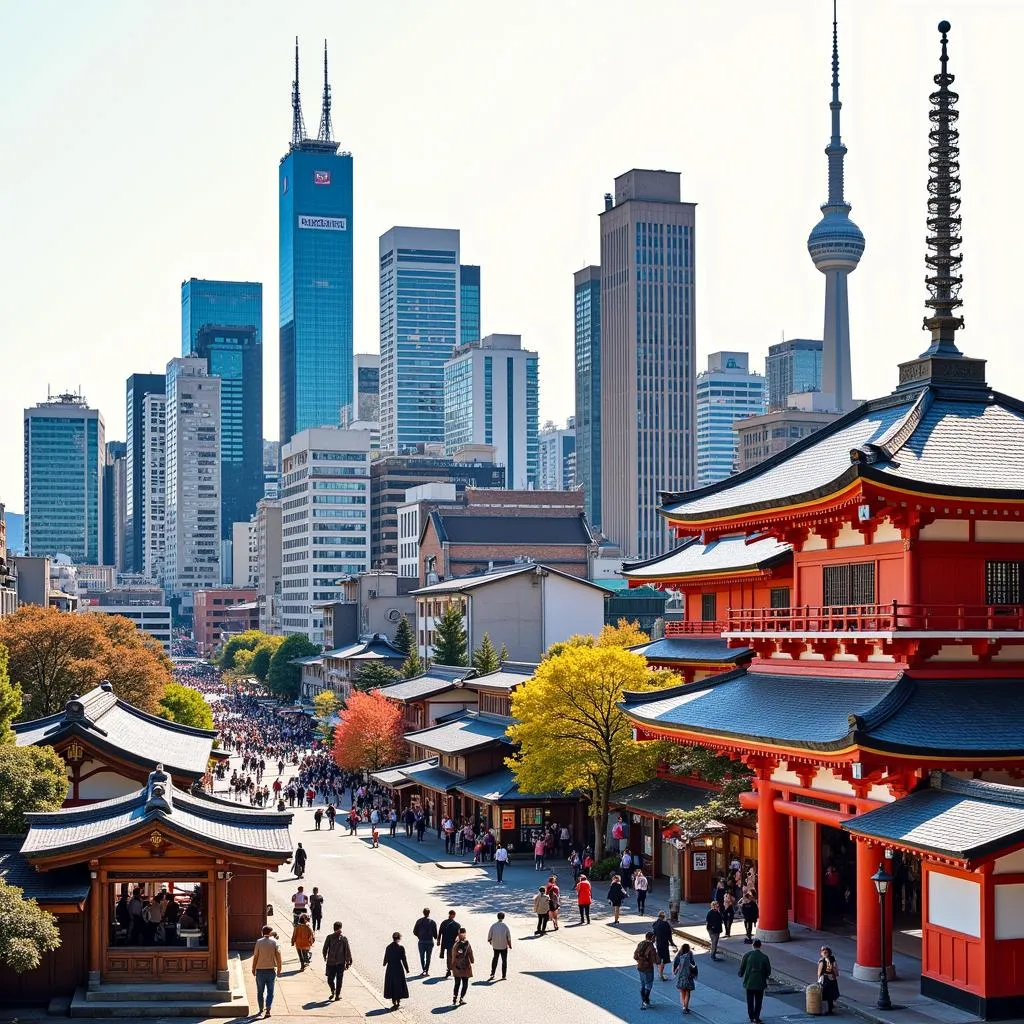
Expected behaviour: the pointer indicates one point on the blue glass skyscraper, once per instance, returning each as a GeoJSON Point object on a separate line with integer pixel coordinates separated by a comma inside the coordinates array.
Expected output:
{"type": "Point", "coordinates": [587, 303]}
{"type": "Point", "coordinates": [220, 303]}
{"type": "Point", "coordinates": [469, 304]}
{"type": "Point", "coordinates": [315, 255]}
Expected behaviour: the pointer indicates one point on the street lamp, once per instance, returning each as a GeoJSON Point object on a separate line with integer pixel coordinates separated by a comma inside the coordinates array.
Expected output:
{"type": "Point", "coordinates": [882, 879]}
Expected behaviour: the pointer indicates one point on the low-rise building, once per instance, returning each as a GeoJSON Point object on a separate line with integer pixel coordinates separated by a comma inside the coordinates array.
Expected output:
{"type": "Point", "coordinates": [342, 665]}
{"type": "Point", "coordinates": [419, 501]}
{"type": "Point", "coordinates": [144, 606]}
{"type": "Point", "coordinates": [223, 611]}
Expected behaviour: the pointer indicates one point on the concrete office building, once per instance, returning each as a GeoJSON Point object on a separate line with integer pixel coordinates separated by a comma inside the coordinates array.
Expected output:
{"type": "Point", "coordinates": [244, 555]}
{"type": "Point", "coordinates": [192, 492]}
{"type": "Point", "coordinates": [143, 605]}
{"type": "Point", "coordinates": [648, 356]}
{"type": "Point", "coordinates": [138, 387]}
{"type": "Point", "coordinates": [325, 522]}
{"type": "Point", "coordinates": [491, 398]}
{"type": "Point", "coordinates": [587, 319]}
{"type": "Point", "coordinates": [726, 392]}
{"type": "Point", "coordinates": [115, 509]}
{"type": "Point", "coordinates": [556, 448]}
{"type": "Point", "coordinates": [152, 504]}
{"type": "Point", "coordinates": [65, 451]}
{"type": "Point", "coordinates": [267, 528]}
{"type": "Point", "coordinates": [792, 368]}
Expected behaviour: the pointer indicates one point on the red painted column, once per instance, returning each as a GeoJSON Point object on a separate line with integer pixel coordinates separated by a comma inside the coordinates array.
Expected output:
{"type": "Point", "coordinates": [869, 955]}
{"type": "Point", "coordinates": [773, 867]}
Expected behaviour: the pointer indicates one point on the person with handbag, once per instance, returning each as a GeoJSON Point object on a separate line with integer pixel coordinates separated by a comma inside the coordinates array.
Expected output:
{"type": "Point", "coordinates": [828, 978]}
{"type": "Point", "coordinates": [684, 967]}
{"type": "Point", "coordinates": [554, 895]}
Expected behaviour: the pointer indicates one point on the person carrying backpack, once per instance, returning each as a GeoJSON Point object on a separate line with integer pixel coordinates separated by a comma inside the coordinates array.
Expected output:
{"type": "Point", "coordinates": [645, 956]}
{"type": "Point", "coordinates": [462, 967]}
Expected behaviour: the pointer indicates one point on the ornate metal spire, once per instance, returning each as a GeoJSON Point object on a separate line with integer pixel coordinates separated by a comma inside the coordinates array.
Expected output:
{"type": "Point", "coordinates": [324, 135]}
{"type": "Point", "coordinates": [944, 257]}
{"type": "Point", "coordinates": [298, 127]}
{"type": "Point", "coordinates": [835, 151]}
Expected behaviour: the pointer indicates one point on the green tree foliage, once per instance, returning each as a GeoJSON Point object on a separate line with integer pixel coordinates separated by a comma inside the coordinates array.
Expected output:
{"type": "Point", "coordinates": [412, 666]}
{"type": "Point", "coordinates": [26, 930]}
{"type": "Point", "coordinates": [242, 664]}
{"type": "Point", "coordinates": [282, 676]}
{"type": "Point", "coordinates": [10, 699]}
{"type": "Point", "coordinates": [722, 805]}
{"type": "Point", "coordinates": [186, 706]}
{"type": "Point", "coordinates": [404, 638]}
{"type": "Point", "coordinates": [247, 641]}
{"type": "Point", "coordinates": [259, 666]}
{"type": "Point", "coordinates": [450, 638]}
{"type": "Point", "coordinates": [485, 657]}
{"type": "Point", "coordinates": [31, 779]}
{"type": "Point", "coordinates": [503, 654]}
{"type": "Point", "coordinates": [373, 675]}
{"type": "Point", "coordinates": [326, 704]}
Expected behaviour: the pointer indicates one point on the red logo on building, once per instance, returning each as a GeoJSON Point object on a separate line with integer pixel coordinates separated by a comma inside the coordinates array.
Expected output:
{"type": "Point", "coordinates": [321, 177]}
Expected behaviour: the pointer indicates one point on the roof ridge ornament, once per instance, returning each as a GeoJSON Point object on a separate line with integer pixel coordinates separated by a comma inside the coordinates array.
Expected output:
{"type": "Point", "coordinates": [158, 792]}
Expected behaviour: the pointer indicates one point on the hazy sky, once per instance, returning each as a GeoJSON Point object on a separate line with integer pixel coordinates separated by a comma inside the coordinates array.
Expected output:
{"type": "Point", "coordinates": [139, 145]}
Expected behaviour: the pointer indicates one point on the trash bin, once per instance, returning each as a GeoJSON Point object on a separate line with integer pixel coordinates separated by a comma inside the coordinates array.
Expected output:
{"type": "Point", "coordinates": [812, 999]}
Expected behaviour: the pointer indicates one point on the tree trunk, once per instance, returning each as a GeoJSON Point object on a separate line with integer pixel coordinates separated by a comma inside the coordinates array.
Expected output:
{"type": "Point", "coordinates": [599, 825]}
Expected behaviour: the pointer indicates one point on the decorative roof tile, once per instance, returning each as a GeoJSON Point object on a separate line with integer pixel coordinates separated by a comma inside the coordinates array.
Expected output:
{"type": "Point", "coordinates": [64, 885]}
{"type": "Point", "coordinates": [726, 554]}
{"type": "Point", "coordinates": [693, 648]}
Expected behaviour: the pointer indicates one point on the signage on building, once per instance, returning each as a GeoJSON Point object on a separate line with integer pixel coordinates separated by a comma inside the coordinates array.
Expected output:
{"type": "Point", "coordinates": [323, 223]}
{"type": "Point", "coordinates": [508, 818]}
{"type": "Point", "coordinates": [700, 860]}
{"type": "Point", "coordinates": [321, 177]}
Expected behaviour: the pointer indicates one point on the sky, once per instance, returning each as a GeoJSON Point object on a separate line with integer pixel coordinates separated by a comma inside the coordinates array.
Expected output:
{"type": "Point", "coordinates": [140, 145]}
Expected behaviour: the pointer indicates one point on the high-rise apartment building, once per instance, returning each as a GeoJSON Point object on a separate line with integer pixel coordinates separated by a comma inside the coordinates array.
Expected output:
{"type": "Point", "coordinates": [587, 309]}
{"type": "Point", "coordinates": [469, 304]}
{"type": "Point", "coordinates": [556, 448]}
{"type": "Point", "coordinates": [648, 353]}
{"type": "Point", "coordinates": [792, 368]}
{"type": "Point", "coordinates": [206, 304]}
{"type": "Point", "coordinates": [315, 257]}
{"type": "Point", "coordinates": [192, 493]}
{"type": "Point", "coordinates": [491, 398]}
{"type": "Point", "coordinates": [153, 504]}
{"type": "Point", "coordinates": [267, 528]}
{"type": "Point", "coordinates": [138, 386]}
{"type": "Point", "coordinates": [419, 329]}
{"type": "Point", "coordinates": [114, 506]}
{"type": "Point", "coordinates": [726, 392]}
{"type": "Point", "coordinates": [65, 451]}
{"type": "Point", "coordinates": [325, 522]}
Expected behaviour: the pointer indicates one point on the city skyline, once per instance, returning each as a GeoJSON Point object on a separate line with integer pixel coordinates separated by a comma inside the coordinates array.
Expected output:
{"type": "Point", "coordinates": [224, 174]}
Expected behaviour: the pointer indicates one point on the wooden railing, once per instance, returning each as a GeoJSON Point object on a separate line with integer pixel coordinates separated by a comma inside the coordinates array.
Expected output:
{"type": "Point", "coordinates": [877, 618]}
{"type": "Point", "coordinates": [684, 628]}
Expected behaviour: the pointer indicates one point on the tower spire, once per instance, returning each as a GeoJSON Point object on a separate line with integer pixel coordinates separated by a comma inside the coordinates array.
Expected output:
{"type": "Point", "coordinates": [298, 127]}
{"type": "Point", "coordinates": [835, 151]}
{"type": "Point", "coordinates": [324, 135]}
{"type": "Point", "coordinates": [943, 259]}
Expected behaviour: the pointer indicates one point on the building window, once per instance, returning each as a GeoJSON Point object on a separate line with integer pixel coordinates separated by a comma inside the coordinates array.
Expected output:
{"type": "Point", "coordinates": [1003, 582]}
{"type": "Point", "coordinates": [780, 597]}
{"type": "Point", "coordinates": [708, 607]}
{"type": "Point", "coordinates": [850, 584]}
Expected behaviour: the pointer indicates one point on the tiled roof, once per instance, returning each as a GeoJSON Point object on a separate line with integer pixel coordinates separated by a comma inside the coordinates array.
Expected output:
{"type": "Point", "coordinates": [65, 885]}
{"type": "Point", "coordinates": [727, 554]}
{"type": "Point", "coordinates": [520, 528]}
{"type": "Point", "coordinates": [378, 646]}
{"type": "Point", "coordinates": [961, 818]}
{"type": "Point", "coordinates": [693, 648]}
{"type": "Point", "coordinates": [508, 677]}
{"type": "Point", "coordinates": [115, 725]}
{"type": "Point", "coordinates": [500, 785]}
{"type": "Point", "coordinates": [396, 777]}
{"type": "Point", "coordinates": [465, 731]}
{"type": "Point", "coordinates": [458, 584]}
{"type": "Point", "coordinates": [433, 778]}
{"type": "Point", "coordinates": [437, 679]}
{"type": "Point", "coordinates": [659, 796]}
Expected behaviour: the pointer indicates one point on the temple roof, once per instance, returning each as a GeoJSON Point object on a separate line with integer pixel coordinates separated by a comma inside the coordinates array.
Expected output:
{"type": "Point", "coordinates": [939, 439]}
{"type": "Point", "coordinates": [908, 713]}
{"type": "Point", "coordinates": [396, 776]}
{"type": "Point", "coordinates": [693, 648]}
{"type": "Point", "coordinates": [160, 803]}
{"type": "Point", "coordinates": [954, 817]}
{"type": "Point", "coordinates": [724, 555]}
{"type": "Point", "coordinates": [420, 773]}
{"type": "Point", "coordinates": [658, 796]}
{"type": "Point", "coordinates": [501, 785]}
{"type": "Point", "coordinates": [107, 722]}
{"type": "Point", "coordinates": [377, 647]}
{"type": "Point", "coordinates": [460, 733]}
{"type": "Point", "coordinates": [436, 680]}
{"type": "Point", "coordinates": [64, 885]}
{"type": "Point", "coordinates": [508, 677]}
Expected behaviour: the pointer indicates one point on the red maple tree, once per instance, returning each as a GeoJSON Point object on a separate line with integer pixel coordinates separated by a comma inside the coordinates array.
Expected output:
{"type": "Point", "coordinates": [370, 734]}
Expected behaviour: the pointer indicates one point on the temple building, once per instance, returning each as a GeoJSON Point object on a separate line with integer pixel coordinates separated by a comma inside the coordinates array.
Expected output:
{"type": "Point", "coordinates": [875, 570]}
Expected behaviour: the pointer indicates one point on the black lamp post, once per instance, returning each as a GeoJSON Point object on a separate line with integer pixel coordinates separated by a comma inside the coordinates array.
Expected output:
{"type": "Point", "coordinates": [882, 880]}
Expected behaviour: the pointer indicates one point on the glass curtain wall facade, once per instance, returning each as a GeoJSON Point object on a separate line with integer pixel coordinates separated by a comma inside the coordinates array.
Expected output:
{"type": "Point", "coordinates": [219, 303]}
{"type": "Point", "coordinates": [587, 301]}
{"type": "Point", "coordinates": [469, 304]}
{"type": "Point", "coordinates": [727, 391]}
{"type": "Point", "coordinates": [138, 386]}
{"type": "Point", "coordinates": [792, 368]}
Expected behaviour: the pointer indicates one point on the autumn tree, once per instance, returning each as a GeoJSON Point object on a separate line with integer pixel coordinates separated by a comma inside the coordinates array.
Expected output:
{"type": "Point", "coordinates": [248, 640]}
{"type": "Point", "coordinates": [26, 930]}
{"type": "Point", "coordinates": [404, 638]}
{"type": "Point", "coordinates": [10, 700]}
{"type": "Point", "coordinates": [485, 657]}
{"type": "Point", "coordinates": [572, 735]}
{"type": "Point", "coordinates": [374, 675]}
{"type": "Point", "coordinates": [282, 676]}
{"type": "Point", "coordinates": [370, 735]}
{"type": "Point", "coordinates": [623, 634]}
{"type": "Point", "coordinates": [186, 706]}
{"type": "Point", "coordinates": [450, 638]}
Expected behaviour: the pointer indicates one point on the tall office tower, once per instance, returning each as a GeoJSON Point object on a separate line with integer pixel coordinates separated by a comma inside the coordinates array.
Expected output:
{"type": "Point", "coordinates": [419, 329]}
{"type": "Point", "coordinates": [648, 353]}
{"type": "Point", "coordinates": [587, 304]}
{"type": "Point", "coordinates": [469, 303]}
{"type": "Point", "coordinates": [365, 407]}
{"type": "Point", "coordinates": [114, 510]}
{"type": "Point", "coordinates": [556, 450]}
{"type": "Point", "coordinates": [726, 391]}
{"type": "Point", "coordinates": [267, 528]}
{"type": "Point", "coordinates": [315, 256]}
{"type": "Point", "coordinates": [65, 449]}
{"type": "Point", "coordinates": [139, 385]}
{"type": "Point", "coordinates": [792, 368]}
{"type": "Point", "coordinates": [836, 245]}
{"type": "Point", "coordinates": [219, 304]}
{"type": "Point", "coordinates": [325, 522]}
{"type": "Point", "coordinates": [153, 504]}
{"type": "Point", "coordinates": [491, 397]}
{"type": "Point", "coordinates": [192, 492]}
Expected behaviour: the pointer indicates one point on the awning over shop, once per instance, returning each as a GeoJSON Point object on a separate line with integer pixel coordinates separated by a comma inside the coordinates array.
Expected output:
{"type": "Point", "coordinates": [657, 797]}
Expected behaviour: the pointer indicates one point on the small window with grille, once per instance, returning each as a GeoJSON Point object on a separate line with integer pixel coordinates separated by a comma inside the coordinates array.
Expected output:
{"type": "Point", "coordinates": [780, 597]}
{"type": "Point", "coordinates": [708, 607]}
{"type": "Point", "coordinates": [849, 584]}
{"type": "Point", "coordinates": [1004, 583]}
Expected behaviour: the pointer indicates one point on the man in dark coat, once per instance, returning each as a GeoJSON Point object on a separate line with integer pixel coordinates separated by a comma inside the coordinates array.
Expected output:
{"type": "Point", "coordinates": [714, 922]}
{"type": "Point", "coordinates": [663, 939]}
{"type": "Point", "coordinates": [425, 931]}
{"type": "Point", "coordinates": [446, 936]}
{"type": "Point", "coordinates": [338, 958]}
{"type": "Point", "coordinates": [755, 970]}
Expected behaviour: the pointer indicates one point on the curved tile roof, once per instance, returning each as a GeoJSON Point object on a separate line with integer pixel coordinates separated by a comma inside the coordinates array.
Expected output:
{"type": "Point", "coordinates": [726, 554]}
{"type": "Point", "coordinates": [693, 648]}
{"type": "Point", "coordinates": [464, 731]}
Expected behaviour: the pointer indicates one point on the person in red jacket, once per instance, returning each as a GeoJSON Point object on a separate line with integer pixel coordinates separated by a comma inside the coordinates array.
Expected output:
{"type": "Point", "coordinates": [583, 898]}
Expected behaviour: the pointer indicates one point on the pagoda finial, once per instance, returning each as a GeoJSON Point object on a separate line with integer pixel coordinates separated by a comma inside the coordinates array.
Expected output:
{"type": "Point", "coordinates": [298, 128]}
{"type": "Point", "coordinates": [324, 135]}
{"type": "Point", "coordinates": [943, 259]}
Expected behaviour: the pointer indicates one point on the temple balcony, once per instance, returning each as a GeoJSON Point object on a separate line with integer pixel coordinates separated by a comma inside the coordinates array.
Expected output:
{"type": "Point", "coordinates": [684, 628]}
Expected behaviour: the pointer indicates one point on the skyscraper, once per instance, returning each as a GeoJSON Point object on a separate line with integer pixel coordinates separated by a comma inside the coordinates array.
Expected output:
{"type": "Point", "coordinates": [366, 404]}
{"type": "Point", "coordinates": [587, 305]}
{"type": "Point", "coordinates": [315, 256]}
{"type": "Point", "coordinates": [419, 328]}
{"type": "Point", "coordinates": [114, 508]}
{"type": "Point", "coordinates": [138, 386]}
{"type": "Point", "coordinates": [65, 450]}
{"type": "Point", "coordinates": [792, 368]}
{"type": "Point", "coordinates": [648, 350]}
{"type": "Point", "coordinates": [469, 304]}
{"type": "Point", "coordinates": [491, 397]}
{"type": "Point", "coordinates": [726, 392]}
{"type": "Point", "coordinates": [836, 245]}
{"type": "Point", "coordinates": [219, 304]}
{"type": "Point", "coordinates": [557, 450]}
{"type": "Point", "coordinates": [153, 504]}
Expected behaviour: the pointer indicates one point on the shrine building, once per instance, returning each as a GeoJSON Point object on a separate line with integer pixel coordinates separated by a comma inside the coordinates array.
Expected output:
{"type": "Point", "coordinates": [875, 570]}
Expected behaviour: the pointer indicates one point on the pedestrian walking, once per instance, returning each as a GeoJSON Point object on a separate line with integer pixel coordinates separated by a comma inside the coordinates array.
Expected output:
{"type": "Point", "coordinates": [318, 817]}
{"type": "Point", "coordinates": [500, 939]}
{"type": "Point", "coordinates": [300, 904]}
{"type": "Point", "coordinates": [713, 921]}
{"type": "Point", "coordinates": [640, 885]}
{"type": "Point", "coordinates": [664, 939]}
{"type": "Point", "coordinates": [266, 968]}
{"type": "Point", "coordinates": [332, 813]}
{"type": "Point", "coordinates": [303, 939]}
{"type": "Point", "coordinates": [616, 896]}
{"type": "Point", "coordinates": [828, 978]}
{"type": "Point", "coordinates": [396, 967]}
{"type": "Point", "coordinates": [462, 967]}
{"type": "Point", "coordinates": [554, 900]}
{"type": "Point", "coordinates": [541, 906]}
{"type": "Point", "coordinates": [755, 970]}
{"type": "Point", "coordinates": [500, 861]}
{"type": "Point", "coordinates": [645, 955]}
{"type": "Point", "coordinates": [316, 909]}
{"type": "Point", "coordinates": [337, 959]}
{"type": "Point", "coordinates": [299, 861]}
{"type": "Point", "coordinates": [392, 822]}
{"type": "Point", "coordinates": [447, 934]}
{"type": "Point", "coordinates": [538, 854]}
{"type": "Point", "coordinates": [750, 912]}
{"type": "Point", "coordinates": [728, 912]}
{"type": "Point", "coordinates": [584, 896]}
{"type": "Point", "coordinates": [684, 967]}
{"type": "Point", "coordinates": [425, 931]}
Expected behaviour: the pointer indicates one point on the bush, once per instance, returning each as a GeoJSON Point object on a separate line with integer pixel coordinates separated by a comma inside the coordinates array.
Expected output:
{"type": "Point", "coordinates": [603, 870]}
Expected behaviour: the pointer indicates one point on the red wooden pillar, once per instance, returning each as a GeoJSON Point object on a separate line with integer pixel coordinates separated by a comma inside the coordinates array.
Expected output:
{"type": "Point", "coordinates": [773, 867]}
{"type": "Point", "coordinates": [869, 952]}
{"type": "Point", "coordinates": [95, 911]}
